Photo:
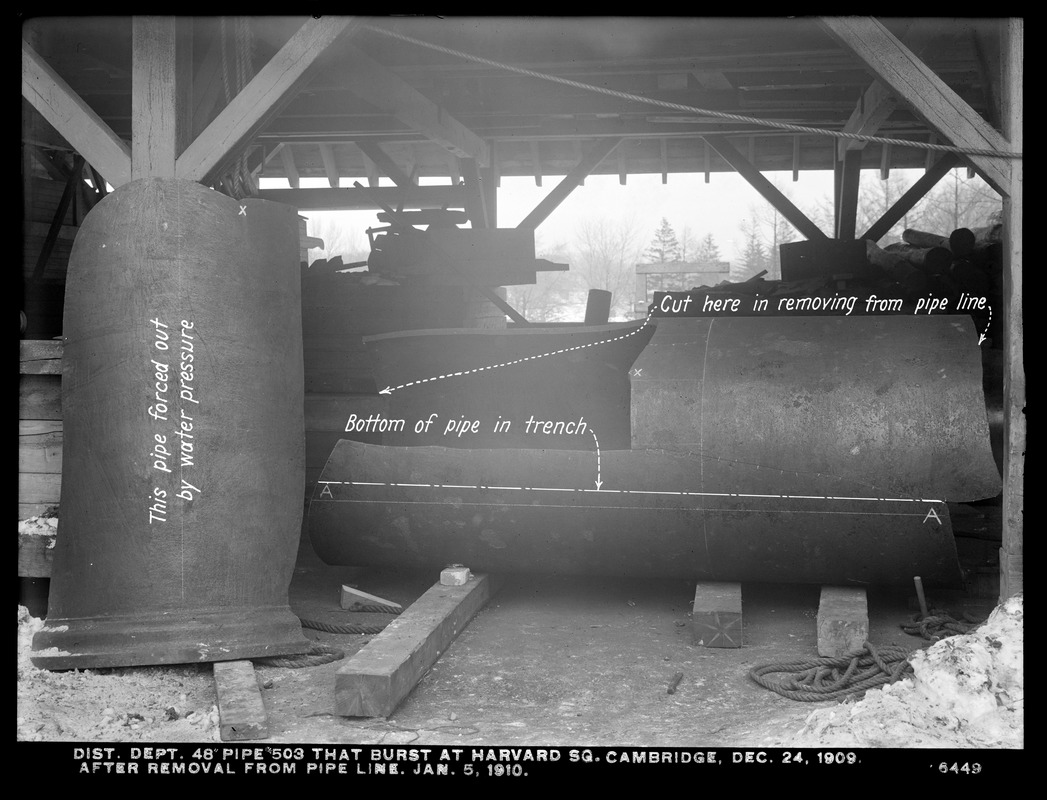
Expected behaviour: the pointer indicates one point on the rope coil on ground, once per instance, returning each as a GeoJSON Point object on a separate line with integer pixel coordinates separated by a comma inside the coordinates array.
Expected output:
{"type": "Point", "coordinates": [821, 679]}
{"type": "Point", "coordinates": [939, 625]}
{"type": "Point", "coordinates": [318, 654]}
{"type": "Point", "coordinates": [327, 627]}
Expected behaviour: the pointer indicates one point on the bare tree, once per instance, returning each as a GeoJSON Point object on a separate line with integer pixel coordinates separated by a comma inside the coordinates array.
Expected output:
{"type": "Point", "coordinates": [958, 202]}
{"type": "Point", "coordinates": [549, 298]}
{"type": "Point", "coordinates": [605, 256]}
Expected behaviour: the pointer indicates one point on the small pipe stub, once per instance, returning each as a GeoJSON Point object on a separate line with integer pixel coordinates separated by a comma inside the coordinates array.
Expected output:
{"type": "Point", "coordinates": [455, 575]}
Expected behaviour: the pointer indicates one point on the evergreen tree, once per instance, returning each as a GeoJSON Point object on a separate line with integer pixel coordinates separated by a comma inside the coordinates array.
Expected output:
{"type": "Point", "coordinates": [708, 251]}
{"type": "Point", "coordinates": [664, 248]}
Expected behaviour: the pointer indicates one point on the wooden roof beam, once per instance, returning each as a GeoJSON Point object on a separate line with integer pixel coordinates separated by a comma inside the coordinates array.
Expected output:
{"type": "Point", "coordinates": [593, 155]}
{"type": "Point", "coordinates": [767, 190]}
{"type": "Point", "coordinates": [330, 165]}
{"type": "Point", "coordinates": [365, 199]}
{"type": "Point", "coordinates": [49, 94]}
{"type": "Point", "coordinates": [536, 159]}
{"type": "Point", "coordinates": [161, 91]}
{"type": "Point", "coordinates": [915, 193]}
{"type": "Point", "coordinates": [290, 168]}
{"type": "Point", "coordinates": [382, 160]}
{"type": "Point", "coordinates": [384, 89]}
{"type": "Point", "coordinates": [876, 105]}
{"type": "Point", "coordinates": [261, 99]}
{"type": "Point", "coordinates": [930, 98]}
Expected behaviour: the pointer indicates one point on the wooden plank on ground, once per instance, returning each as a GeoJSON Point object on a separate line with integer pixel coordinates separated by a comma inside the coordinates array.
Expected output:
{"type": "Point", "coordinates": [374, 681]}
{"type": "Point", "coordinates": [352, 599]}
{"type": "Point", "coordinates": [716, 617]}
{"type": "Point", "coordinates": [39, 487]}
{"type": "Point", "coordinates": [241, 709]}
{"type": "Point", "coordinates": [843, 621]}
{"type": "Point", "coordinates": [40, 397]}
{"type": "Point", "coordinates": [35, 553]}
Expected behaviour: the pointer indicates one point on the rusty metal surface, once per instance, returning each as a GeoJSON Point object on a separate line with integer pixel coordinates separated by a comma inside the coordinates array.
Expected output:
{"type": "Point", "coordinates": [891, 404]}
{"type": "Point", "coordinates": [539, 511]}
{"type": "Point", "coordinates": [179, 526]}
{"type": "Point", "coordinates": [497, 375]}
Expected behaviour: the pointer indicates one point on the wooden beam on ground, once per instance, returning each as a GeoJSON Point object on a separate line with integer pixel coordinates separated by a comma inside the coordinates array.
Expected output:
{"type": "Point", "coordinates": [876, 105]}
{"type": "Point", "coordinates": [716, 617]}
{"type": "Point", "coordinates": [241, 709]}
{"type": "Point", "coordinates": [352, 599]}
{"type": "Point", "coordinates": [330, 165]}
{"type": "Point", "coordinates": [290, 168]}
{"type": "Point", "coordinates": [265, 95]}
{"type": "Point", "coordinates": [1014, 420]}
{"type": "Point", "coordinates": [387, 91]}
{"type": "Point", "coordinates": [843, 621]}
{"type": "Point", "coordinates": [767, 190]}
{"type": "Point", "coordinates": [912, 196]}
{"type": "Point", "coordinates": [49, 94]}
{"type": "Point", "coordinates": [928, 95]}
{"type": "Point", "coordinates": [593, 155]}
{"type": "Point", "coordinates": [847, 217]}
{"type": "Point", "coordinates": [536, 160]}
{"type": "Point", "coordinates": [375, 681]}
{"type": "Point", "coordinates": [160, 111]}
{"type": "Point", "coordinates": [382, 160]}
{"type": "Point", "coordinates": [347, 199]}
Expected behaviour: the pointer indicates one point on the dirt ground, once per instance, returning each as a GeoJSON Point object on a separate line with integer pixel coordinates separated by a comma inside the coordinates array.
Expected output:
{"type": "Point", "coordinates": [562, 661]}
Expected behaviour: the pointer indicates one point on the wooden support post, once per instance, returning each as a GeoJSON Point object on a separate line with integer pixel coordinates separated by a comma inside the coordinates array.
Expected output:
{"type": "Point", "coordinates": [885, 162]}
{"type": "Point", "coordinates": [766, 189]}
{"type": "Point", "coordinates": [240, 706]}
{"type": "Point", "coordinates": [847, 216]}
{"type": "Point", "coordinates": [154, 97]}
{"type": "Point", "coordinates": [1011, 572]}
{"type": "Point", "coordinates": [49, 94]}
{"type": "Point", "coordinates": [376, 680]}
{"type": "Point", "coordinates": [876, 105]}
{"type": "Point", "coordinates": [929, 159]}
{"type": "Point", "coordinates": [915, 193]}
{"type": "Point", "coordinates": [536, 161]}
{"type": "Point", "coordinates": [381, 159]}
{"type": "Point", "coordinates": [843, 621]}
{"type": "Point", "coordinates": [594, 154]}
{"type": "Point", "coordinates": [663, 145]}
{"type": "Point", "coordinates": [796, 158]}
{"type": "Point", "coordinates": [290, 168]}
{"type": "Point", "coordinates": [264, 97]}
{"type": "Point", "coordinates": [705, 145]}
{"type": "Point", "coordinates": [474, 194]}
{"type": "Point", "coordinates": [330, 166]}
{"type": "Point", "coordinates": [716, 617]}
{"type": "Point", "coordinates": [623, 167]}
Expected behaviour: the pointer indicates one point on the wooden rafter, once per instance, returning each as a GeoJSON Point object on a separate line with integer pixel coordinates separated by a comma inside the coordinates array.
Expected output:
{"type": "Point", "coordinates": [915, 193]}
{"type": "Point", "coordinates": [767, 190]}
{"type": "Point", "coordinates": [384, 89]}
{"type": "Point", "coordinates": [49, 94]}
{"type": "Point", "coordinates": [355, 199]}
{"type": "Point", "coordinates": [927, 94]}
{"type": "Point", "coordinates": [330, 165]}
{"type": "Point", "coordinates": [593, 155]}
{"type": "Point", "coordinates": [381, 159]}
{"type": "Point", "coordinates": [876, 105]}
{"type": "Point", "coordinates": [261, 99]}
